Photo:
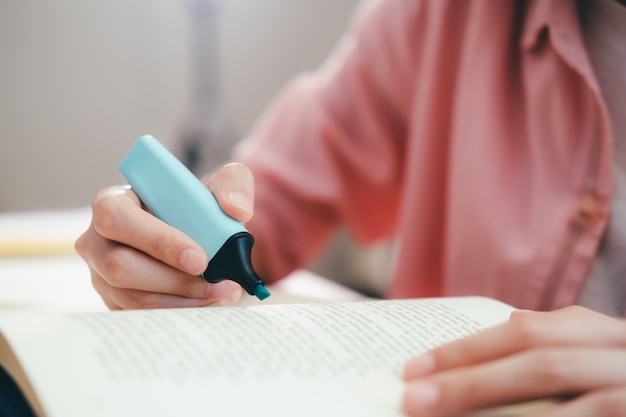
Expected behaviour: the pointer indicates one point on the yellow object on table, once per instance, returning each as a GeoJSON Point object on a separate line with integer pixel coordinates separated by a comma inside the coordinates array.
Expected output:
{"type": "Point", "coordinates": [41, 233]}
{"type": "Point", "coordinates": [19, 249]}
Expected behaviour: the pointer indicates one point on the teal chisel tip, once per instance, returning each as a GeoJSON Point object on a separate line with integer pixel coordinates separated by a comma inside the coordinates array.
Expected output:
{"type": "Point", "coordinates": [261, 292]}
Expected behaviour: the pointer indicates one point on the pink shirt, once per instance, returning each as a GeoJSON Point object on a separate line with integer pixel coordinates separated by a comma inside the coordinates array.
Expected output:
{"type": "Point", "coordinates": [472, 132]}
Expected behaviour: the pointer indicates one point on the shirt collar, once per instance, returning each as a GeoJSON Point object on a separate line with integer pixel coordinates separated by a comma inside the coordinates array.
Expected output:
{"type": "Point", "coordinates": [539, 13]}
{"type": "Point", "coordinates": [558, 19]}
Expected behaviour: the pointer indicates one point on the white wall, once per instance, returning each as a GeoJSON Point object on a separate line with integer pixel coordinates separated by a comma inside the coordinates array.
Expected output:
{"type": "Point", "coordinates": [80, 80]}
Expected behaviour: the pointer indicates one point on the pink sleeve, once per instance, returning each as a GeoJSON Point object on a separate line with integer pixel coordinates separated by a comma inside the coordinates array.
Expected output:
{"type": "Point", "coordinates": [330, 150]}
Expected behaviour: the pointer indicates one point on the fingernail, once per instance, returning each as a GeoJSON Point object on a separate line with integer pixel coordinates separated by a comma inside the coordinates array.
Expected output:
{"type": "Point", "coordinates": [419, 366]}
{"type": "Point", "coordinates": [192, 261]}
{"type": "Point", "coordinates": [240, 200]}
{"type": "Point", "coordinates": [420, 397]}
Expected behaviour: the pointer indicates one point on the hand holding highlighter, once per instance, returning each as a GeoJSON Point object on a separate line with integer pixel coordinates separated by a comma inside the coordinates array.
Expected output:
{"type": "Point", "coordinates": [176, 196]}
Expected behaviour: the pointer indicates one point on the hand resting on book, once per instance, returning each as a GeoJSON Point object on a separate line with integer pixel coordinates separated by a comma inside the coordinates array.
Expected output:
{"type": "Point", "coordinates": [570, 352]}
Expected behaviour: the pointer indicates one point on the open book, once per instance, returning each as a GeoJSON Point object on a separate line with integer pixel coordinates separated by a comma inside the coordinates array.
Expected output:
{"type": "Point", "coordinates": [320, 359]}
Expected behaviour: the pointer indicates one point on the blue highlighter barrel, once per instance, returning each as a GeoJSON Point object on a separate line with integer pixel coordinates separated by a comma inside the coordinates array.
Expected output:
{"type": "Point", "coordinates": [176, 196]}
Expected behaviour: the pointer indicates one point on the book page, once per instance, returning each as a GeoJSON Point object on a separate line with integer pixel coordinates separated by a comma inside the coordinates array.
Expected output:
{"type": "Point", "coordinates": [280, 360]}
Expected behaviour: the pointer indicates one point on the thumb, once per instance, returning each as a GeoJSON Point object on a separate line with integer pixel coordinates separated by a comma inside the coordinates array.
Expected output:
{"type": "Point", "coordinates": [233, 186]}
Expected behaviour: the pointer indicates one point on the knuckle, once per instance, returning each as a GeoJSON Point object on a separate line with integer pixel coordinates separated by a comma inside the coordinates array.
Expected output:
{"type": "Point", "coordinates": [143, 300]}
{"type": "Point", "coordinates": [459, 390]}
{"type": "Point", "coordinates": [575, 309]}
{"type": "Point", "coordinates": [187, 287]}
{"type": "Point", "coordinates": [105, 211]}
{"type": "Point", "coordinates": [80, 246]}
{"type": "Point", "coordinates": [528, 330]}
{"type": "Point", "coordinates": [113, 264]}
{"type": "Point", "coordinates": [552, 367]}
{"type": "Point", "coordinates": [161, 244]}
{"type": "Point", "coordinates": [99, 285]}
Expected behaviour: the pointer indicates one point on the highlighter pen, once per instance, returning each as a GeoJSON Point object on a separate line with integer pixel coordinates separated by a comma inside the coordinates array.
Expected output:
{"type": "Point", "coordinates": [176, 196]}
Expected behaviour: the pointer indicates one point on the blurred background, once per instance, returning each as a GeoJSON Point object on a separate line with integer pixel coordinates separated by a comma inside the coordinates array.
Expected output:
{"type": "Point", "coordinates": [80, 80]}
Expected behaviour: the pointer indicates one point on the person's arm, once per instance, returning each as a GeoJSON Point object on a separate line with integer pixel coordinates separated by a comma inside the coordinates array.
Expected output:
{"type": "Point", "coordinates": [570, 352]}
{"type": "Point", "coordinates": [330, 152]}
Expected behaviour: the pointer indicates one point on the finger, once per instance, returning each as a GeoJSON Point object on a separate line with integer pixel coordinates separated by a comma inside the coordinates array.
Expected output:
{"type": "Point", "coordinates": [117, 216]}
{"type": "Point", "coordinates": [533, 374]}
{"type": "Point", "coordinates": [126, 268]}
{"type": "Point", "coordinates": [95, 279]}
{"type": "Point", "coordinates": [222, 294]}
{"type": "Point", "coordinates": [610, 402]}
{"type": "Point", "coordinates": [123, 267]}
{"type": "Point", "coordinates": [233, 186]}
{"type": "Point", "coordinates": [525, 330]}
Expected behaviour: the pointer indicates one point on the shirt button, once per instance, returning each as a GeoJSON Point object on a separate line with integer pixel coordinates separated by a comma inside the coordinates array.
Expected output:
{"type": "Point", "coordinates": [588, 212]}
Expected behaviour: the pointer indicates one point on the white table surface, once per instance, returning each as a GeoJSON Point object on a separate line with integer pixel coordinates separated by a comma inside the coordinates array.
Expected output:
{"type": "Point", "coordinates": [40, 270]}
